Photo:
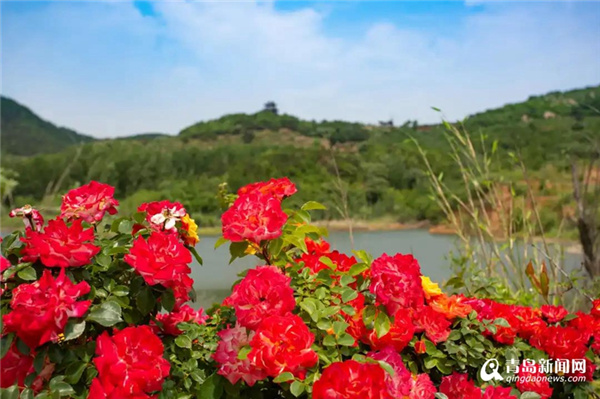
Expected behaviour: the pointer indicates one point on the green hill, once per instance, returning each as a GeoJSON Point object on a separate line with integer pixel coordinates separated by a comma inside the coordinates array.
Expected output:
{"type": "Point", "coordinates": [380, 166]}
{"type": "Point", "coordinates": [25, 133]}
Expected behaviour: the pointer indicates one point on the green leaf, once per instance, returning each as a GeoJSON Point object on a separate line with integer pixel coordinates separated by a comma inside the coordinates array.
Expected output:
{"type": "Point", "coordinates": [275, 246]}
{"type": "Point", "coordinates": [430, 362]}
{"type": "Point", "coordinates": [346, 280]}
{"type": "Point", "coordinates": [196, 255]}
{"type": "Point", "coordinates": [312, 205]}
{"type": "Point", "coordinates": [346, 340]}
{"type": "Point", "coordinates": [349, 294]}
{"type": "Point", "coordinates": [501, 322]}
{"type": "Point", "coordinates": [125, 227]}
{"type": "Point", "coordinates": [339, 327]}
{"type": "Point", "coordinates": [382, 324]}
{"type": "Point", "coordinates": [107, 314]}
{"type": "Point", "coordinates": [145, 300]}
{"type": "Point", "coordinates": [327, 262]}
{"type": "Point", "coordinates": [364, 256]}
{"type": "Point", "coordinates": [220, 241]}
{"type": "Point", "coordinates": [183, 341]}
{"type": "Point", "coordinates": [26, 394]}
{"type": "Point", "coordinates": [440, 395]}
{"type": "Point", "coordinates": [369, 315]}
{"type": "Point", "coordinates": [237, 250]}
{"type": "Point", "coordinates": [358, 268]}
{"type": "Point", "coordinates": [74, 329]}
{"type": "Point", "coordinates": [139, 217]}
{"type": "Point", "coordinates": [74, 372]}
{"type": "Point", "coordinates": [387, 367]}
{"type": "Point", "coordinates": [297, 388]}
{"type": "Point", "coordinates": [22, 347]}
{"type": "Point", "coordinates": [28, 274]}
{"type": "Point", "coordinates": [59, 386]}
{"type": "Point", "coordinates": [39, 360]}
{"type": "Point", "coordinates": [5, 344]}
{"type": "Point", "coordinates": [243, 353]}
{"type": "Point", "coordinates": [167, 300]}
{"type": "Point", "coordinates": [329, 340]}
{"type": "Point", "coordinates": [530, 395]}
{"type": "Point", "coordinates": [309, 305]}
{"type": "Point", "coordinates": [569, 317]}
{"type": "Point", "coordinates": [284, 377]}
{"type": "Point", "coordinates": [212, 388]}
{"type": "Point", "coordinates": [120, 290]}
{"type": "Point", "coordinates": [117, 250]}
{"type": "Point", "coordinates": [103, 260]}
{"type": "Point", "coordinates": [10, 393]}
{"type": "Point", "coordinates": [324, 325]}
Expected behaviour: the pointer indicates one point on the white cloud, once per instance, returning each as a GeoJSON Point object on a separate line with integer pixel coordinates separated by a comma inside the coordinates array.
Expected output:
{"type": "Point", "coordinates": [106, 70]}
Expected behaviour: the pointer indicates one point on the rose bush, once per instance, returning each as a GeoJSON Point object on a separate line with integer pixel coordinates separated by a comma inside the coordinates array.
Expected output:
{"type": "Point", "coordinates": [95, 305]}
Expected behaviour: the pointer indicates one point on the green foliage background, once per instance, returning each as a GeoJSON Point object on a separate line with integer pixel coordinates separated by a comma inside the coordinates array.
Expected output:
{"type": "Point", "coordinates": [380, 167]}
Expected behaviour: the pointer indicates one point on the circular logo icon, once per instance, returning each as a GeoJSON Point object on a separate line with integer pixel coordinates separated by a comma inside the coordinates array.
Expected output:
{"type": "Point", "coordinates": [494, 374]}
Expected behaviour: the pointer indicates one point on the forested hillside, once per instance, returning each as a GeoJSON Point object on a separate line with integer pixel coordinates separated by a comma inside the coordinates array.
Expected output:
{"type": "Point", "coordinates": [25, 133]}
{"type": "Point", "coordinates": [379, 166]}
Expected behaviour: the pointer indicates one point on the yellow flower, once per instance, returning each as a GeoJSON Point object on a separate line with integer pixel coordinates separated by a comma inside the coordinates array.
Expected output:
{"type": "Point", "coordinates": [252, 248]}
{"type": "Point", "coordinates": [190, 230]}
{"type": "Point", "coordinates": [431, 289]}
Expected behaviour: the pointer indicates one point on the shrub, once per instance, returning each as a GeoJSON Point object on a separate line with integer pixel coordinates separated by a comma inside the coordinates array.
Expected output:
{"type": "Point", "coordinates": [108, 318]}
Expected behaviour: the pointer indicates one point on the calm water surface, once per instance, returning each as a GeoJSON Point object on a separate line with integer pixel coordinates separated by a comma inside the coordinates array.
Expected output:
{"type": "Point", "coordinates": [214, 279]}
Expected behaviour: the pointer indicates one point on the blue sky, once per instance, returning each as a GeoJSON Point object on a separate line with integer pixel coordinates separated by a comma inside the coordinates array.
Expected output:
{"type": "Point", "coordinates": [119, 68]}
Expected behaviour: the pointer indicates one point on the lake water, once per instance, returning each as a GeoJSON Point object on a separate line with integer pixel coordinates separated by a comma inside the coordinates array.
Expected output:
{"type": "Point", "coordinates": [213, 280]}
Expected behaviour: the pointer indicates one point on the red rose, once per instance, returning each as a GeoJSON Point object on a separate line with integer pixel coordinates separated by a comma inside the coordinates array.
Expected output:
{"type": "Point", "coordinates": [451, 306]}
{"type": "Point", "coordinates": [162, 259]}
{"type": "Point", "coordinates": [490, 310]}
{"type": "Point", "coordinates": [401, 332]}
{"type": "Point", "coordinates": [400, 383]}
{"type": "Point", "coordinates": [182, 314]}
{"type": "Point", "coordinates": [588, 324]}
{"type": "Point", "coordinates": [564, 342]}
{"type": "Point", "coordinates": [342, 262]}
{"type": "Point", "coordinates": [352, 380]}
{"type": "Point", "coordinates": [97, 391]}
{"type": "Point", "coordinates": [265, 291]}
{"type": "Point", "coordinates": [319, 247]}
{"type": "Point", "coordinates": [278, 188]}
{"type": "Point", "coordinates": [131, 361]}
{"type": "Point", "coordinates": [89, 202]}
{"type": "Point", "coordinates": [283, 343]}
{"type": "Point", "coordinates": [530, 324]}
{"type": "Point", "coordinates": [230, 365]}
{"type": "Point", "coordinates": [422, 388]}
{"type": "Point", "coordinates": [534, 381]}
{"type": "Point", "coordinates": [40, 310]}
{"type": "Point", "coordinates": [396, 282]}
{"type": "Point", "coordinates": [163, 215]}
{"type": "Point", "coordinates": [420, 347]}
{"type": "Point", "coordinates": [14, 367]}
{"type": "Point", "coordinates": [492, 392]}
{"type": "Point", "coordinates": [32, 218]}
{"type": "Point", "coordinates": [458, 386]}
{"type": "Point", "coordinates": [60, 245]}
{"type": "Point", "coordinates": [435, 325]}
{"type": "Point", "coordinates": [253, 217]}
{"type": "Point", "coordinates": [553, 314]}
